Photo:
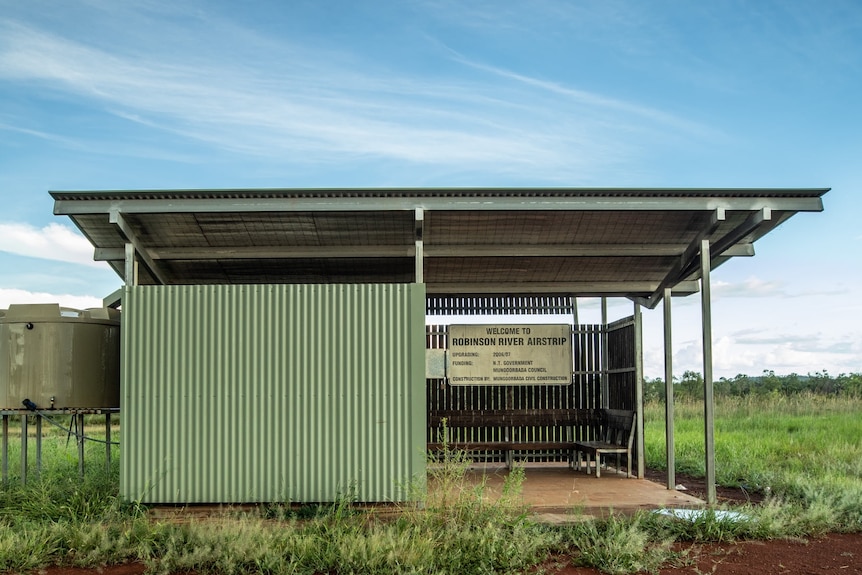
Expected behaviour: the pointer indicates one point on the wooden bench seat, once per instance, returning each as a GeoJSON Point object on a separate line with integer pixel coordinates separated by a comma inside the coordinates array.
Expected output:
{"type": "Point", "coordinates": [618, 439]}
{"type": "Point", "coordinates": [564, 419]}
{"type": "Point", "coordinates": [503, 445]}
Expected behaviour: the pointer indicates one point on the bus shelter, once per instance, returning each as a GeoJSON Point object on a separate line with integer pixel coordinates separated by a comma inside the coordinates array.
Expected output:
{"type": "Point", "coordinates": [275, 343]}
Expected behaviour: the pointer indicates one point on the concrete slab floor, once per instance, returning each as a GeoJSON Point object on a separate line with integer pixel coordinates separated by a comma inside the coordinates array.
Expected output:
{"type": "Point", "coordinates": [555, 489]}
{"type": "Point", "coordinates": [553, 492]}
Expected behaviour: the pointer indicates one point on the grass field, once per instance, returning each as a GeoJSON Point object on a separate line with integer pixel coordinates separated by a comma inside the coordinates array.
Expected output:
{"type": "Point", "coordinates": [807, 449]}
{"type": "Point", "coordinates": [786, 443]}
{"type": "Point", "coordinates": [59, 448]}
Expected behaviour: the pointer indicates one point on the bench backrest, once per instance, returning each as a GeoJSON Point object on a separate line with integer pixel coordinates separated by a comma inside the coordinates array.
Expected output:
{"type": "Point", "coordinates": [515, 418]}
{"type": "Point", "coordinates": [619, 427]}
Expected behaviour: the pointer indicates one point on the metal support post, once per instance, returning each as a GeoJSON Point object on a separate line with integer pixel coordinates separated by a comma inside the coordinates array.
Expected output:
{"type": "Point", "coordinates": [668, 387]}
{"type": "Point", "coordinates": [5, 462]}
{"type": "Point", "coordinates": [80, 419]}
{"type": "Point", "coordinates": [131, 266]}
{"type": "Point", "coordinates": [639, 391]}
{"type": "Point", "coordinates": [420, 253]}
{"type": "Point", "coordinates": [575, 318]}
{"type": "Point", "coordinates": [605, 376]}
{"type": "Point", "coordinates": [24, 438]}
{"type": "Point", "coordinates": [38, 444]}
{"type": "Point", "coordinates": [108, 442]}
{"type": "Point", "coordinates": [708, 399]}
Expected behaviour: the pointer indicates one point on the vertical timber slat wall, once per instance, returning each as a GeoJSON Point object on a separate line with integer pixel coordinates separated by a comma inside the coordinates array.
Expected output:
{"type": "Point", "coordinates": [622, 369]}
{"type": "Point", "coordinates": [272, 392]}
{"type": "Point", "coordinates": [588, 373]}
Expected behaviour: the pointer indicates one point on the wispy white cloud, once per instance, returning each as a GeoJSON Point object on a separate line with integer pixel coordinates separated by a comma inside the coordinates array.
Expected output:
{"type": "Point", "coordinates": [813, 352]}
{"type": "Point", "coordinates": [19, 296]}
{"type": "Point", "coordinates": [755, 287]}
{"type": "Point", "coordinates": [594, 101]}
{"type": "Point", "coordinates": [751, 353]}
{"type": "Point", "coordinates": [52, 242]}
{"type": "Point", "coordinates": [37, 134]}
{"type": "Point", "coordinates": [750, 287]}
{"type": "Point", "coordinates": [757, 333]}
{"type": "Point", "coordinates": [308, 108]}
{"type": "Point", "coordinates": [761, 337]}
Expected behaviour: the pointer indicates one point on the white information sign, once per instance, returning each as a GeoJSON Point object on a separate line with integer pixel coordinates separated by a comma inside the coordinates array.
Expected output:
{"type": "Point", "coordinates": [538, 354]}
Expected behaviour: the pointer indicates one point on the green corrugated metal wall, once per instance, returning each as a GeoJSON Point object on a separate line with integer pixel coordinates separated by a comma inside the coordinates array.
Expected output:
{"type": "Point", "coordinates": [272, 392]}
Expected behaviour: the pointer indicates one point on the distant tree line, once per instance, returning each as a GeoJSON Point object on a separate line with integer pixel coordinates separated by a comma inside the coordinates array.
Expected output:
{"type": "Point", "coordinates": [690, 385]}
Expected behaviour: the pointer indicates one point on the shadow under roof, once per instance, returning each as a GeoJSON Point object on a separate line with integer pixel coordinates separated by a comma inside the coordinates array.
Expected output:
{"type": "Point", "coordinates": [611, 242]}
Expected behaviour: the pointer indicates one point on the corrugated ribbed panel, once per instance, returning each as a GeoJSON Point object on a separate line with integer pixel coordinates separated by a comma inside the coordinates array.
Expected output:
{"type": "Point", "coordinates": [500, 305]}
{"type": "Point", "coordinates": [272, 392]}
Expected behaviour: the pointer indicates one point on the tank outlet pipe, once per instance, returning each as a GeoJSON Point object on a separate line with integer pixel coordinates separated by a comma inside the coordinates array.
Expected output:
{"type": "Point", "coordinates": [79, 434]}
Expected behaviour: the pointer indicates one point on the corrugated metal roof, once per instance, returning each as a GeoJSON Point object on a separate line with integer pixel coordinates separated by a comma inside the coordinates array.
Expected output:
{"type": "Point", "coordinates": [581, 241]}
{"type": "Point", "coordinates": [270, 193]}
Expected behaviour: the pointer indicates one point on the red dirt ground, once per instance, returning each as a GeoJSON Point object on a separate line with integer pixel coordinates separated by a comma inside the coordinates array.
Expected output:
{"type": "Point", "coordinates": [833, 553]}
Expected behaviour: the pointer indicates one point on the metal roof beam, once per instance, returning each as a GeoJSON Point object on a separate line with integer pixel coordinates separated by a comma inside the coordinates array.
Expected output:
{"type": "Point", "coordinates": [622, 289]}
{"type": "Point", "coordinates": [745, 250]}
{"type": "Point", "coordinates": [719, 257]}
{"type": "Point", "coordinates": [118, 265]}
{"type": "Point", "coordinates": [747, 227]}
{"type": "Point", "coordinates": [72, 207]}
{"type": "Point", "coordinates": [688, 258]}
{"type": "Point", "coordinates": [555, 250]}
{"type": "Point", "coordinates": [739, 250]}
{"type": "Point", "coordinates": [395, 251]}
{"type": "Point", "coordinates": [265, 253]}
{"type": "Point", "coordinates": [114, 299]}
{"type": "Point", "coordinates": [118, 220]}
{"type": "Point", "coordinates": [723, 247]}
{"type": "Point", "coordinates": [719, 250]}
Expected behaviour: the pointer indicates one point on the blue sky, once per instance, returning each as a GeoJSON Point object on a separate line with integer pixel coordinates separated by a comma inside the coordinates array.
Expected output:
{"type": "Point", "coordinates": [98, 94]}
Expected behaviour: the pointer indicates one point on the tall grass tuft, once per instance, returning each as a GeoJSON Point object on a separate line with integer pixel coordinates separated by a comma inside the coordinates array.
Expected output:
{"type": "Point", "coordinates": [617, 545]}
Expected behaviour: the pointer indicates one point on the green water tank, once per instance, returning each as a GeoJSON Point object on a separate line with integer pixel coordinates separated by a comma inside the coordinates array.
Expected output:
{"type": "Point", "coordinates": [59, 358]}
